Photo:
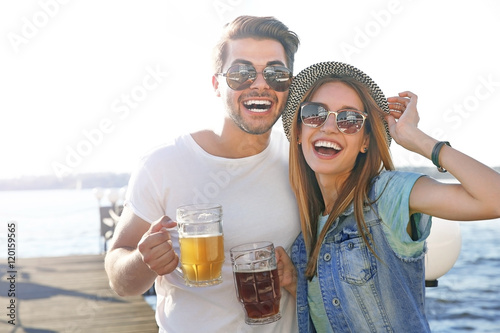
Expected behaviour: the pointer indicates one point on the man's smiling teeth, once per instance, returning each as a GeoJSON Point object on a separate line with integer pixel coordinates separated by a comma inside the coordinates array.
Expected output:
{"type": "Point", "coordinates": [327, 144]}
{"type": "Point", "coordinates": [257, 105]}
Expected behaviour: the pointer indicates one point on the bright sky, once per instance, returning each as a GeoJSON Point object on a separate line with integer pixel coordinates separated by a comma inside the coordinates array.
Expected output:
{"type": "Point", "coordinates": [90, 86]}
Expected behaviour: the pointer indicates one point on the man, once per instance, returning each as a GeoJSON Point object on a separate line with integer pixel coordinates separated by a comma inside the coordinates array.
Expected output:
{"type": "Point", "coordinates": [244, 168]}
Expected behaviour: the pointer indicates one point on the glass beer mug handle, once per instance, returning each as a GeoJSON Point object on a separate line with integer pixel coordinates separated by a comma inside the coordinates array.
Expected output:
{"type": "Point", "coordinates": [178, 272]}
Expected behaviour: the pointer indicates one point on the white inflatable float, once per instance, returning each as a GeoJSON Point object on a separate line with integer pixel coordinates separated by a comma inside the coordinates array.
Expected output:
{"type": "Point", "coordinates": [443, 248]}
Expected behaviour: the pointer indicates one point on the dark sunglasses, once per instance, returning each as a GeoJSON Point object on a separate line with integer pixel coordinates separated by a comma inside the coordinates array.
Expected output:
{"type": "Point", "coordinates": [239, 77]}
{"type": "Point", "coordinates": [348, 121]}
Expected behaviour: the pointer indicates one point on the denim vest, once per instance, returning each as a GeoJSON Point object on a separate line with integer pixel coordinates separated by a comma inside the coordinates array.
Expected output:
{"type": "Point", "coordinates": [360, 292]}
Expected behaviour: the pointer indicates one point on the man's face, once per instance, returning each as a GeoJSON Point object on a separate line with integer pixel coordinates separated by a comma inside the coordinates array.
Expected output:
{"type": "Point", "coordinates": [255, 109]}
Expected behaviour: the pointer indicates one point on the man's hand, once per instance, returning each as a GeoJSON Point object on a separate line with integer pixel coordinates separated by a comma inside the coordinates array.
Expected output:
{"type": "Point", "coordinates": [156, 248]}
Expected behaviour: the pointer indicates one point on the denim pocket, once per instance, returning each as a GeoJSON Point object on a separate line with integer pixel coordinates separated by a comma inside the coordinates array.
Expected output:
{"type": "Point", "coordinates": [357, 265]}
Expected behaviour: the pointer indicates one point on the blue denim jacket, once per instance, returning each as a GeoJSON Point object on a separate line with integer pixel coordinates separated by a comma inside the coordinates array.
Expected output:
{"type": "Point", "coordinates": [360, 292]}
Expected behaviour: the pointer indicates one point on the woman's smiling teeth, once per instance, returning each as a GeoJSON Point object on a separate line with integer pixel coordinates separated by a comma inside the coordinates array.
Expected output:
{"type": "Point", "coordinates": [257, 105]}
{"type": "Point", "coordinates": [324, 147]}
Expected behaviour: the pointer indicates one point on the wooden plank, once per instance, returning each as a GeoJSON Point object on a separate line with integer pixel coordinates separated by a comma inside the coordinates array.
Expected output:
{"type": "Point", "coordinates": [70, 294]}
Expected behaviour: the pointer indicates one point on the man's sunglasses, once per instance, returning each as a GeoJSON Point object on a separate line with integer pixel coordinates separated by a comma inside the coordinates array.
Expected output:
{"type": "Point", "coordinates": [240, 77]}
{"type": "Point", "coordinates": [348, 121]}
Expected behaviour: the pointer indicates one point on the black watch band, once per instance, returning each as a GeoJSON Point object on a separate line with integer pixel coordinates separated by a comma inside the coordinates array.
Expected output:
{"type": "Point", "coordinates": [435, 154]}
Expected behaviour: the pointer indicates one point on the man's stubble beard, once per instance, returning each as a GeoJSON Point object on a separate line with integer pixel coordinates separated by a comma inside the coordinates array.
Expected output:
{"type": "Point", "coordinates": [250, 127]}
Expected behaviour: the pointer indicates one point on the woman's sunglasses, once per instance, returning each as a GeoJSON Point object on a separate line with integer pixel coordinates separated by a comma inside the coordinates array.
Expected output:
{"type": "Point", "coordinates": [240, 77]}
{"type": "Point", "coordinates": [348, 121]}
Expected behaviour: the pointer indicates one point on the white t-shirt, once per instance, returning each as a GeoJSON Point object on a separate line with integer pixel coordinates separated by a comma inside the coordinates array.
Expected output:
{"type": "Point", "coordinates": [258, 204]}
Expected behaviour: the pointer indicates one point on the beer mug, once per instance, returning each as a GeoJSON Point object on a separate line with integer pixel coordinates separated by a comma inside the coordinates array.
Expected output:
{"type": "Point", "coordinates": [201, 244]}
{"type": "Point", "coordinates": [257, 282]}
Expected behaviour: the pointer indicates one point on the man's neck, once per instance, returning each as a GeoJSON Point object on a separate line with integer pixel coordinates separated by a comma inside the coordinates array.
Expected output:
{"type": "Point", "coordinates": [231, 142]}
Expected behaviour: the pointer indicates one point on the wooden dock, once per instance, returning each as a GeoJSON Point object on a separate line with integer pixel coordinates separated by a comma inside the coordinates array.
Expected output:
{"type": "Point", "coordinates": [69, 294]}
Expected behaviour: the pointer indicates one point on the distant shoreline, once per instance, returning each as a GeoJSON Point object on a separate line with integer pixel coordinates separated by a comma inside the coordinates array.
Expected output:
{"type": "Point", "coordinates": [118, 180]}
{"type": "Point", "coordinates": [80, 181]}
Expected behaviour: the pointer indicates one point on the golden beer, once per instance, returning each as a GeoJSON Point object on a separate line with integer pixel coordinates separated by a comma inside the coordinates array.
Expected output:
{"type": "Point", "coordinates": [202, 258]}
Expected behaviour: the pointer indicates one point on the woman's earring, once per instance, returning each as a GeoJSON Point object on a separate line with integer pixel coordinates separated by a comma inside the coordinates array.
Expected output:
{"type": "Point", "coordinates": [365, 149]}
{"type": "Point", "coordinates": [298, 141]}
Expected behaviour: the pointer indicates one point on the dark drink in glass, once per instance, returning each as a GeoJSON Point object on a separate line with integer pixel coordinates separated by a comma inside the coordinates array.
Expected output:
{"type": "Point", "coordinates": [260, 294]}
{"type": "Point", "coordinates": [257, 282]}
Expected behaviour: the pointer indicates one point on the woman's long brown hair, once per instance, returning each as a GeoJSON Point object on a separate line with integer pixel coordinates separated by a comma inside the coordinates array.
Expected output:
{"type": "Point", "coordinates": [355, 188]}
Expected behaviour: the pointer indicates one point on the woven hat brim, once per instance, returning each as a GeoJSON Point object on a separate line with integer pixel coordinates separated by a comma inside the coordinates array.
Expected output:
{"type": "Point", "coordinates": [306, 78]}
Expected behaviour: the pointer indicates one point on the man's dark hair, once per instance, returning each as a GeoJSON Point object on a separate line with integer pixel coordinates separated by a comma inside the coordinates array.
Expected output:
{"type": "Point", "coordinates": [258, 28]}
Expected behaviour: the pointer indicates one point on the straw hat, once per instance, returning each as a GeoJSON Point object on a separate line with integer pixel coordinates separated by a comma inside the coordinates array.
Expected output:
{"type": "Point", "coordinates": [308, 76]}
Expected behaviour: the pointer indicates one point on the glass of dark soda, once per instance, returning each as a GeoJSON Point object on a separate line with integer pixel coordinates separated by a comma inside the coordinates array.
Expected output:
{"type": "Point", "coordinates": [257, 282]}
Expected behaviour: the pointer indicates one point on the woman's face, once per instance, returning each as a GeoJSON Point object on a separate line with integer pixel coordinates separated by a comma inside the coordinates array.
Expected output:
{"type": "Point", "coordinates": [329, 152]}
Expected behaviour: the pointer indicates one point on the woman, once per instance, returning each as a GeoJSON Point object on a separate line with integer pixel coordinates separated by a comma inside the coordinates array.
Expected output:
{"type": "Point", "coordinates": [359, 260]}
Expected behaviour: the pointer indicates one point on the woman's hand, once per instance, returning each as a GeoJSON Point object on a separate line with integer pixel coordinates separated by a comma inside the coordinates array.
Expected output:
{"type": "Point", "coordinates": [403, 123]}
{"type": "Point", "coordinates": [286, 271]}
{"type": "Point", "coordinates": [477, 195]}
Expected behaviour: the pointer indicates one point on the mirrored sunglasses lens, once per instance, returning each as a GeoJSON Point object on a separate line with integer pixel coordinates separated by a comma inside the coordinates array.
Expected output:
{"type": "Point", "coordinates": [240, 77]}
{"type": "Point", "coordinates": [279, 78]}
{"type": "Point", "coordinates": [349, 122]}
{"type": "Point", "coordinates": [313, 115]}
